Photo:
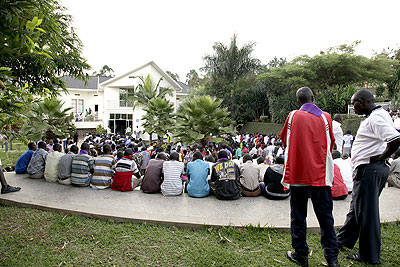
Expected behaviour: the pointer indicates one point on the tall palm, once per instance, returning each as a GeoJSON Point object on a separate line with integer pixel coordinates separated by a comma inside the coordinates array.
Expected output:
{"type": "Point", "coordinates": [158, 118]}
{"type": "Point", "coordinates": [147, 89]}
{"type": "Point", "coordinates": [202, 118]}
{"type": "Point", "coordinates": [48, 119]}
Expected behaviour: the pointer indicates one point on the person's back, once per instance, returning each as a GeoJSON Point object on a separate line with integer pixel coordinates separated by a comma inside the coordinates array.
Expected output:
{"type": "Point", "coordinates": [225, 178]}
{"type": "Point", "coordinates": [37, 163]}
{"type": "Point", "coordinates": [198, 171]}
{"type": "Point", "coordinates": [172, 170]}
{"type": "Point", "coordinates": [153, 176]}
{"type": "Point", "coordinates": [65, 166]}
{"type": "Point", "coordinates": [271, 186]}
{"type": "Point", "coordinates": [125, 170]}
{"type": "Point", "coordinates": [339, 189]}
{"type": "Point", "coordinates": [103, 169]}
{"type": "Point", "coordinates": [82, 167]}
{"type": "Point", "coordinates": [249, 176]}
{"type": "Point", "coordinates": [24, 159]}
{"type": "Point", "coordinates": [345, 170]}
{"type": "Point", "coordinates": [52, 161]}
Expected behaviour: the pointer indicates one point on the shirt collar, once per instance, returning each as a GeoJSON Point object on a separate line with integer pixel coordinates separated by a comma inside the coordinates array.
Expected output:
{"type": "Point", "coordinates": [312, 109]}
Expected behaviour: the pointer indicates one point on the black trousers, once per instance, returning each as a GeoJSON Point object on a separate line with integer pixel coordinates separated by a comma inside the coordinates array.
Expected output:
{"type": "Point", "coordinates": [362, 221]}
{"type": "Point", "coordinates": [321, 198]}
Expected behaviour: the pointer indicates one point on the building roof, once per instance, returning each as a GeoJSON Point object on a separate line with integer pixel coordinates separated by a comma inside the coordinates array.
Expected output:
{"type": "Point", "coordinates": [185, 88]}
{"type": "Point", "coordinates": [92, 82]}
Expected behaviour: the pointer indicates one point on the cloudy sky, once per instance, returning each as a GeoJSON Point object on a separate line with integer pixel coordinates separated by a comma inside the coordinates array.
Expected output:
{"type": "Point", "coordinates": [176, 34]}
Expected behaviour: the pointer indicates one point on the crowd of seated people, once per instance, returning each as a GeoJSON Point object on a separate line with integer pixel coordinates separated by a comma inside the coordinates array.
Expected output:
{"type": "Point", "coordinates": [251, 166]}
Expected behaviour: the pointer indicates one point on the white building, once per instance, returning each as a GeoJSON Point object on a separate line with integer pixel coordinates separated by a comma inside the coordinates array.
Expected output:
{"type": "Point", "coordinates": [106, 98]}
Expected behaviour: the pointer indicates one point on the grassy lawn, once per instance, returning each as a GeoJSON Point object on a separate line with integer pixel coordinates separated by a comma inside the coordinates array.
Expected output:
{"type": "Point", "coordinates": [10, 158]}
{"type": "Point", "coordinates": [31, 237]}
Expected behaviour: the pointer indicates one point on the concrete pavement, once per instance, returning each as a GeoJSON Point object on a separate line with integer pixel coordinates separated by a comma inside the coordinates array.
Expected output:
{"type": "Point", "coordinates": [181, 210]}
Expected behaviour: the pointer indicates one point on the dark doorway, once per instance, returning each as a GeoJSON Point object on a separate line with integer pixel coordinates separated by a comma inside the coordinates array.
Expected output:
{"type": "Point", "coordinates": [120, 127]}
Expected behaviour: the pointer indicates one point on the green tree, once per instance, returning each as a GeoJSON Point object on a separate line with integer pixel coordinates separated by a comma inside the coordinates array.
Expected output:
{"type": "Point", "coordinates": [104, 71]}
{"type": "Point", "coordinates": [48, 119]}
{"type": "Point", "coordinates": [159, 118]}
{"type": "Point", "coordinates": [147, 89]}
{"type": "Point", "coordinates": [202, 118]}
{"type": "Point", "coordinates": [193, 79]}
{"type": "Point", "coordinates": [174, 76]}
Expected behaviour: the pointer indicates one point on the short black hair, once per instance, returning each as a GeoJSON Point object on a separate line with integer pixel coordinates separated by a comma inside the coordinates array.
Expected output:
{"type": "Point", "coordinates": [247, 157]}
{"type": "Point", "coordinates": [222, 154]}
{"type": "Point", "coordinates": [279, 160]}
{"type": "Point", "coordinates": [197, 155]}
{"type": "Point", "coordinates": [57, 147]}
{"type": "Point", "coordinates": [106, 149]}
{"type": "Point", "coordinates": [128, 152]}
{"type": "Point", "coordinates": [31, 145]}
{"type": "Point", "coordinates": [42, 144]}
{"type": "Point", "coordinates": [174, 156]}
{"type": "Point", "coordinates": [74, 149]}
{"type": "Point", "coordinates": [85, 146]}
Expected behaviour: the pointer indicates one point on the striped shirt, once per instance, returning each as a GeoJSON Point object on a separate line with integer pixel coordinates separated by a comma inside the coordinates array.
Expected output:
{"type": "Point", "coordinates": [81, 165]}
{"type": "Point", "coordinates": [103, 172]}
{"type": "Point", "coordinates": [172, 184]}
{"type": "Point", "coordinates": [126, 165]}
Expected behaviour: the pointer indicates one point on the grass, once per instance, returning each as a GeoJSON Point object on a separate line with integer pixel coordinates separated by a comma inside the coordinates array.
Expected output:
{"type": "Point", "coordinates": [31, 237]}
{"type": "Point", "coordinates": [10, 158]}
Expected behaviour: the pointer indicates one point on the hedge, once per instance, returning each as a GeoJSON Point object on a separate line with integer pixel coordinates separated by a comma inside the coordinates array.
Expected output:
{"type": "Point", "coordinates": [262, 128]}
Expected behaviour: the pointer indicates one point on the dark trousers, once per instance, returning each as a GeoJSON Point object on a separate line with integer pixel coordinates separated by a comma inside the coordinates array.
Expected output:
{"type": "Point", "coordinates": [362, 221]}
{"type": "Point", "coordinates": [321, 198]}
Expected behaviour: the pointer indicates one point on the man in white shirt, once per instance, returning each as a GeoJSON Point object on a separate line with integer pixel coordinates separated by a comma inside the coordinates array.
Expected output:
{"type": "Point", "coordinates": [376, 141]}
{"type": "Point", "coordinates": [348, 142]}
{"type": "Point", "coordinates": [51, 166]}
{"type": "Point", "coordinates": [337, 131]}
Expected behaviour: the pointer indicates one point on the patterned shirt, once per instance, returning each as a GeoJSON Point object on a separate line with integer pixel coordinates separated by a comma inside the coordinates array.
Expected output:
{"type": "Point", "coordinates": [172, 184]}
{"type": "Point", "coordinates": [81, 165]}
{"type": "Point", "coordinates": [38, 161]}
{"type": "Point", "coordinates": [103, 172]}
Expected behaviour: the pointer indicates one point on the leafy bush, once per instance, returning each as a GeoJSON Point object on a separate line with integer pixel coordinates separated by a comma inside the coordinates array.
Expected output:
{"type": "Point", "coordinates": [351, 122]}
{"type": "Point", "coordinates": [262, 128]}
{"type": "Point", "coordinates": [264, 118]}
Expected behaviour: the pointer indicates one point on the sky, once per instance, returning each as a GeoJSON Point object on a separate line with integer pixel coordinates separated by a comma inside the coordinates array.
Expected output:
{"type": "Point", "coordinates": [177, 34]}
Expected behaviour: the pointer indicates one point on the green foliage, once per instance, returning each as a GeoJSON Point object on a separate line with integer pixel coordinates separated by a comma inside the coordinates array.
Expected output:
{"type": "Point", "coordinates": [202, 118]}
{"type": "Point", "coordinates": [158, 118]}
{"type": "Point", "coordinates": [48, 119]}
{"type": "Point", "coordinates": [261, 128]}
{"type": "Point", "coordinates": [174, 76]}
{"type": "Point", "coordinates": [100, 129]}
{"type": "Point", "coordinates": [104, 71]}
{"type": "Point", "coordinates": [147, 89]}
{"type": "Point", "coordinates": [335, 101]}
{"type": "Point", "coordinates": [193, 79]}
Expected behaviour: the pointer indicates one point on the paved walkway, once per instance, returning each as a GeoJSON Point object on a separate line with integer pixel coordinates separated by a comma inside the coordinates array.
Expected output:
{"type": "Point", "coordinates": [181, 210]}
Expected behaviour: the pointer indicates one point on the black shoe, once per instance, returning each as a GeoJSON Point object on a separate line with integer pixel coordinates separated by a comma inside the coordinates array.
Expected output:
{"type": "Point", "coordinates": [297, 258]}
{"type": "Point", "coordinates": [356, 257]}
{"type": "Point", "coordinates": [9, 189]}
{"type": "Point", "coordinates": [336, 264]}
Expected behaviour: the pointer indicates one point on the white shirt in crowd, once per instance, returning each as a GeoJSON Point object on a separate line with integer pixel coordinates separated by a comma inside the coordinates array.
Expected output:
{"type": "Point", "coordinates": [338, 134]}
{"type": "Point", "coordinates": [345, 170]}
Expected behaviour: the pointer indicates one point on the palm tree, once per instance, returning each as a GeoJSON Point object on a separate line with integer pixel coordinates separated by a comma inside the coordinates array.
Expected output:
{"type": "Point", "coordinates": [48, 119]}
{"type": "Point", "coordinates": [147, 89]}
{"type": "Point", "coordinates": [158, 118]}
{"type": "Point", "coordinates": [202, 118]}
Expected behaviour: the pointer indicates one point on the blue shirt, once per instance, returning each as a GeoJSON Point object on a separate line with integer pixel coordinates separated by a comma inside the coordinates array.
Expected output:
{"type": "Point", "coordinates": [198, 171]}
{"type": "Point", "coordinates": [23, 161]}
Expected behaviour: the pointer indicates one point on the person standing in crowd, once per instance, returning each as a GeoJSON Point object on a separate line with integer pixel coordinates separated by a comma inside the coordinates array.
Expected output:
{"type": "Point", "coordinates": [24, 159]}
{"type": "Point", "coordinates": [37, 164]}
{"type": "Point", "coordinates": [337, 131]}
{"type": "Point", "coordinates": [375, 142]}
{"type": "Point", "coordinates": [308, 131]}
{"type": "Point", "coordinates": [224, 181]}
{"type": "Point", "coordinates": [347, 142]}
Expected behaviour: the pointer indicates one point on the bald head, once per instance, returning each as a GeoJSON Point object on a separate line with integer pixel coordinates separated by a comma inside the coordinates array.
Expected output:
{"type": "Point", "coordinates": [363, 102]}
{"type": "Point", "coordinates": [364, 95]}
{"type": "Point", "coordinates": [305, 95]}
{"type": "Point", "coordinates": [338, 118]}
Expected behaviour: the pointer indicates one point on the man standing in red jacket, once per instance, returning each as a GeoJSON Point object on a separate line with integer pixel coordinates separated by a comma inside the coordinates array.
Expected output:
{"type": "Point", "coordinates": [308, 138]}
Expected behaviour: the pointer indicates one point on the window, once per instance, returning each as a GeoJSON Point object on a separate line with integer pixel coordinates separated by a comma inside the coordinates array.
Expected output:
{"type": "Point", "coordinates": [112, 116]}
{"type": "Point", "coordinates": [77, 105]}
{"type": "Point", "coordinates": [125, 97]}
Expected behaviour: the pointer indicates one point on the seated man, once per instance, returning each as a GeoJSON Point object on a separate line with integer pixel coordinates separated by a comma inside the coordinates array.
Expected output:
{"type": "Point", "coordinates": [394, 171]}
{"type": "Point", "coordinates": [172, 170]}
{"type": "Point", "coordinates": [224, 181]}
{"type": "Point", "coordinates": [345, 170]}
{"type": "Point", "coordinates": [52, 161]}
{"type": "Point", "coordinates": [37, 164]}
{"type": "Point", "coordinates": [249, 174]}
{"type": "Point", "coordinates": [153, 176]}
{"type": "Point", "coordinates": [82, 167]}
{"type": "Point", "coordinates": [124, 171]}
{"type": "Point", "coordinates": [103, 169]}
{"type": "Point", "coordinates": [272, 188]}
{"type": "Point", "coordinates": [339, 189]}
{"type": "Point", "coordinates": [197, 172]}
{"type": "Point", "coordinates": [65, 166]}
{"type": "Point", "coordinates": [24, 159]}
{"type": "Point", "coordinates": [6, 188]}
